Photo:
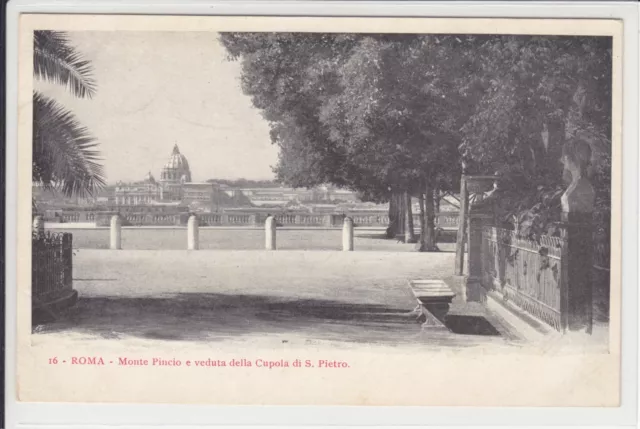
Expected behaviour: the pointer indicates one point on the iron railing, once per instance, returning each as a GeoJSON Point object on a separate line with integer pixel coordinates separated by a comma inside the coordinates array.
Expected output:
{"type": "Point", "coordinates": [51, 268]}
{"type": "Point", "coordinates": [528, 273]}
{"type": "Point", "coordinates": [524, 271]}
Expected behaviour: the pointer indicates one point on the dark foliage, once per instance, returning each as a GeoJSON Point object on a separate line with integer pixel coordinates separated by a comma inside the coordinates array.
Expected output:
{"type": "Point", "coordinates": [386, 114]}
{"type": "Point", "coordinates": [65, 155]}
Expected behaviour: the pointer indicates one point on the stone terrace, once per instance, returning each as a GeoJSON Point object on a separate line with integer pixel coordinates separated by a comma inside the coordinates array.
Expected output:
{"type": "Point", "coordinates": [294, 297]}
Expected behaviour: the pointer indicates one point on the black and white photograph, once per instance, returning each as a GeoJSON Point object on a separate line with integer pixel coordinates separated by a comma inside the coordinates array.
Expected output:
{"type": "Point", "coordinates": [317, 205]}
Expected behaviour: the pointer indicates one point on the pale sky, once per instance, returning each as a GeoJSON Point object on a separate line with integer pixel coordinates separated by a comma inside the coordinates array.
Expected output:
{"type": "Point", "coordinates": [157, 89]}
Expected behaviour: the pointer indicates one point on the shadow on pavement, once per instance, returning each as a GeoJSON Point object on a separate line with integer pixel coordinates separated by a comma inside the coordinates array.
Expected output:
{"type": "Point", "coordinates": [470, 325]}
{"type": "Point", "coordinates": [211, 317]}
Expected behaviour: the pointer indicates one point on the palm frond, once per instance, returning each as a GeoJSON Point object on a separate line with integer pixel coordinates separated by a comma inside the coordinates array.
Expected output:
{"type": "Point", "coordinates": [57, 61]}
{"type": "Point", "coordinates": [65, 157]}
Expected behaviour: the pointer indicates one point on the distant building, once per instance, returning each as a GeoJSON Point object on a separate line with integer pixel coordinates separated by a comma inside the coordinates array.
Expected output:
{"type": "Point", "coordinates": [176, 188]}
{"type": "Point", "coordinates": [175, 185]}
{"type": "Point", "coordinates": [199, 191]}
{"type": "Point", "coordinates": [174, 175]}
{"type": "Point", "coordinates": [145, 192]}
{"type": "Point", "coordinates": [283, 195]}
{"type": "Point", "coordinates": [336, 194]}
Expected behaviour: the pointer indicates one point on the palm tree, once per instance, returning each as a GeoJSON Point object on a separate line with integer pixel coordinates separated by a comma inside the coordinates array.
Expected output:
{"type": "Point", "coordinates": [65, 155]}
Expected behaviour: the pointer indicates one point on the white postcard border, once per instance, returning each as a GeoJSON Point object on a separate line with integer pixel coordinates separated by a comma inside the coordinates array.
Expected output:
{"type": "Point", "coordinates": [48, 414]}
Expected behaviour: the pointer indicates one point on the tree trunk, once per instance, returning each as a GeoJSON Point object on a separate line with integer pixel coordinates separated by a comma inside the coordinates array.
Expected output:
{"type": "Point", "coordinates": [396, 216]}
{"type": "Point", "coordinates": [423, 224]}
{"type": "Point", "coordinates": [402, 220]}
{"type": "Point", "coordinates": [392, 217]}
{"type": "Point", "coordinates": [430, 218]}
{"type": "Point", "coordinates": [409, 235]}
{"type": "Point", "coordinates": [428, 232]}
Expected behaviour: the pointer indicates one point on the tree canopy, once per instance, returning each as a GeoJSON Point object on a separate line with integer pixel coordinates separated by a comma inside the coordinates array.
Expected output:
{"type": "Point", "coordinates": [350, 110]}
{"type": "Point", "coordinates": [381, 114]}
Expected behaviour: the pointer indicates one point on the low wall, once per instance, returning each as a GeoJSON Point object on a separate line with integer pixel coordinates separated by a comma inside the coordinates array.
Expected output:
{"type": "Point", "coordinates": [142, 219]}
{"type": "Point", "coordinates": [444, 220]}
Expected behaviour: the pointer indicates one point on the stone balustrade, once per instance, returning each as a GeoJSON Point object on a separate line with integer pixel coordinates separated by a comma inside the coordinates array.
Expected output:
{"type": "Point", "coordinates": [444, 220]}
{"type": "Point", "coordinates": [193, 227]}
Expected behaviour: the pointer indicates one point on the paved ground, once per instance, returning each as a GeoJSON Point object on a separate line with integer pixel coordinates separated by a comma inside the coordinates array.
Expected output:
{"type": "Point", "coordinates": [293, 297]}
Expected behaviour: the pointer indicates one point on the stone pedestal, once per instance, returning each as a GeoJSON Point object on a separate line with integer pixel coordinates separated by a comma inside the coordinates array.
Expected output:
{"type": "Point", "coordinates": [193, 242]}
{"type": "Point", "coordinates": [433, 316]}
{"type": "Point", "coordinates": [270, 233]}
{"type": "Point", "coordinates": [462, 224]}
{"type": "Point", "coordinates": [577, 272]}
{"type": "Point", "coordinates": [576, 301]}
{"type": "Point", "coordinates": [434, 298]}
{"type": "Point", "coordinates": [347, 235]}
{"type": "Point", "coordinates": [473, 290]}
{"type": "Point", "coordinates": [116, 227]}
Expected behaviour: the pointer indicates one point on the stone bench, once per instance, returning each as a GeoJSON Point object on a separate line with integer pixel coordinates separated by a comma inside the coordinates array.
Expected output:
{"type": "Point", "coordinates": [434, 298]}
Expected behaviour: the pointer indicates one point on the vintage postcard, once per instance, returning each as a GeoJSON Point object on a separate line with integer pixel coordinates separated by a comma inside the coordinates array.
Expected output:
{"type": "Point", "coordinates": [319, 211]}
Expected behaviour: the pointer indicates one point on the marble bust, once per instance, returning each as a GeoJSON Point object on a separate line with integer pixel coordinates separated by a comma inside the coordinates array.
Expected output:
{"type": "Point", "coordinates": [580, 195]}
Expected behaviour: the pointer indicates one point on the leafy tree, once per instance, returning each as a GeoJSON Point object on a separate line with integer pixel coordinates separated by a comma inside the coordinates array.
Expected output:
{"type": "Point", "coordinates": [538, 92]}
{"type": "Point", "coordinates": [395, 115]}
{"type": "Point", "coordinates": [354, 111]}
{"type": "Point", "coordinates": [398, 113]}
{"type": "Point", "coordinates": [65, 155]}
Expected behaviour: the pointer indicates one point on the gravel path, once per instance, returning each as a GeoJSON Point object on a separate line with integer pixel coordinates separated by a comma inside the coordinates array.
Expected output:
{"type": "Point", "coordinates": [247, 297]}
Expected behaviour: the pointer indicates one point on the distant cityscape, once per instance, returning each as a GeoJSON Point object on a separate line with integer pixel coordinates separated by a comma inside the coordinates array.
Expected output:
{"type": "Point", "coordinates": [175, 187]}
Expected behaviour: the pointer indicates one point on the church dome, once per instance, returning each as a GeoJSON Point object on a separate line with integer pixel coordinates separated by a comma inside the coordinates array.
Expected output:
{"type": "Point", "coordinates": [149, 178]}
{"type": "Point", "coordinates": [177, 161]}
{"type": "Point", "coordinates": [176, 168]}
